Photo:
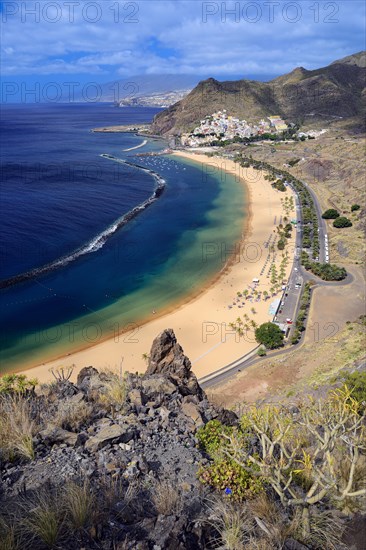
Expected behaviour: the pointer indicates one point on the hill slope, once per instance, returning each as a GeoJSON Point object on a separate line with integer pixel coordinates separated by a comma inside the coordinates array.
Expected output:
{"type": "Point", "coordinates": [337, 90]}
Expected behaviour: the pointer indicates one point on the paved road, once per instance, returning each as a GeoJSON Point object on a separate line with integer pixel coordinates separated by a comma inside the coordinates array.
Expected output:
{"type": "Point", "coordinates": [291, 304]}
{"type": "Point", "coordinates": [226, 373]}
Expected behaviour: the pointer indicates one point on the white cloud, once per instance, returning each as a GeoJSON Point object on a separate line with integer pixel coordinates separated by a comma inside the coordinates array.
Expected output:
{"type": "Point", "coordinates": [172, 36]}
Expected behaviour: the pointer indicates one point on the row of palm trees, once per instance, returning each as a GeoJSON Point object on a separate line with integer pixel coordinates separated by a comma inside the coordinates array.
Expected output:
{"type": "Point", "coordinates": [245, 324]}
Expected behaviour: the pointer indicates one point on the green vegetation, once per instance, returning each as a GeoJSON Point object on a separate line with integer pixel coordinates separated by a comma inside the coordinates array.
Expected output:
{"type": "Point", "coordinates": [211, 436]}
{"type": "Point", "coordinates": [302, 314]}
{"type": "Point", "coordinates": [330, 214]}
{"type": "Point", "coordinates": [224, 473]}
{"type": "Point", "coordinates": [293, 162]}
{"type": "Point", "coordinates": [355, 207]}
{"type": "Point", "coordinates": [307, 467]}
{"type": "Point", "coordinates": [17, 384]}
{"type": "Point", "coordinates": [284, 233]}
{"type": "Point", "coordinates": [356, 382]}
{"type": "Point", "coordinates": [270, 335]}
{"type": "Point", "coordinates": [327, 272]}
{"type": "Point", "coordinates": [279, 185]}
{"type": "Point", "coordinates": [309, 214]}
{"type": "Point", "coordinates": [342, 222]}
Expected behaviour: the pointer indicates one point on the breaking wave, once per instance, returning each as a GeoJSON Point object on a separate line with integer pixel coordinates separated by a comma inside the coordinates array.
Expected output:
{"type": "Point", "coordinates": [99, 240]}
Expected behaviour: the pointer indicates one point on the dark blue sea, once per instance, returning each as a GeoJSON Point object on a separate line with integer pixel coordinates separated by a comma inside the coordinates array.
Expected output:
{"type": "Point", "coordinates": [60, 204]}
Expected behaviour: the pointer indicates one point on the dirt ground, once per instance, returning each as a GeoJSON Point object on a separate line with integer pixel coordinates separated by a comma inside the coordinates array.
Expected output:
{"type": "Point", "coordinates": [335, 339]}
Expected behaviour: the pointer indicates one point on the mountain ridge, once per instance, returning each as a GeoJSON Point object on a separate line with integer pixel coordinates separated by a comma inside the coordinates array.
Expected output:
{"type": "Point", "coordinates": [335, 90]}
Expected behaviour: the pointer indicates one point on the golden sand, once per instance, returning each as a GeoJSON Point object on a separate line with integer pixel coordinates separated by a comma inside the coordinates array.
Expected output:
{"type": "Point", "coordinates": [202, 325]}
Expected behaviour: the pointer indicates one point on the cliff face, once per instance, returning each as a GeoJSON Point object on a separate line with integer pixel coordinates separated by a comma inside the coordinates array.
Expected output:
{"type": "Point", "coordinates": [132, 445]}
{"type": "Point", "coordinates": [336, 90]}
{"type": "Point", "coordinates": [112, 464]}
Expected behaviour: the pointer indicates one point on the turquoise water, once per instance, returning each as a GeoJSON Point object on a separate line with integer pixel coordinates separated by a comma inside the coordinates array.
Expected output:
{"type": "Point", "coordinates": [166, 253]}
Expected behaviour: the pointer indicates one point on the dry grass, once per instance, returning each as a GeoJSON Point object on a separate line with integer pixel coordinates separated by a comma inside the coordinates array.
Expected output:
{"type": "Point", "coordinates": [43, 520]}
{"type": "Point", "coordinates": [326, 529]}
{"type": "Point", "coordinates": [9, 539]}
{"type": "Point", "coordinates": [115, 392]}
{"type": "Point", "coordinates": [71, 416]}
{"type": "Point", "coordinates": [16, 428]}
{"type": "Point", "coordinates": [232, 523]}
{"type": "Point", "coordinates": [261, 524]}
{"type": "Point", "coordinates": [78, 504]}
{"type": "Point", "coordinates": [165, 498]}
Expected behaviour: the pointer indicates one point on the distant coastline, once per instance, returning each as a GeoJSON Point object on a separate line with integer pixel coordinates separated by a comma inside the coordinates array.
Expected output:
{"type": "Point", "coordinates": [122, 128]}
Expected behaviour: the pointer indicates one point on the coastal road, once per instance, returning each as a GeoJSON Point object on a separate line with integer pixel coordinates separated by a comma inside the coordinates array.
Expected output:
{"type": "Point", "coordinates": [229, 371]}
{"type": "Point", "coordinates": [323, 234]}
{"type": "Point", "coordinates": [291, 297]}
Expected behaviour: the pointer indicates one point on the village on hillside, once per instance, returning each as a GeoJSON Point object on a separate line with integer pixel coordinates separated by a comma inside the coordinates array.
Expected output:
{"type": "Point", "coordinates": [221, 126]}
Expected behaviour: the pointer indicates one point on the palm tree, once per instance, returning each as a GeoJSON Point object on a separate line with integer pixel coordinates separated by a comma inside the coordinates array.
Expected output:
{"type": "Point", "coordinates": [145, 357]}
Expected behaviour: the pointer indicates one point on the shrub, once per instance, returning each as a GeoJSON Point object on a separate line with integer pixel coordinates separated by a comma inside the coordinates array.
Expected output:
{"type": "Point", "coordinates": [270, 335]}
{"type": "Point", "coordinates": [327, 272]}
{"type": "Point", "coordinates": [17, 384]}
{"type": "Point", "coordinates": [356, 382]}
{"type": "Point", "coordinates": [43, 520]}
{"type": "Point", "coordinates": [115, 393]}
{"type": "Point", "coordinates": [261, 352]}
{"type": "Point", "coordinates": [355, 207]}
{"type": "Point", "coordinates": [296, 336]}
{"type": "Point", "coordinates": [330, 214]}
{"type": "Point", "coordinates": [342, 222]}
{"type": "Point", "coordinates": [232, 523]}
{"type": "Point", "coordinates": [210, 436]}
{"type": "Point", "coordinates": [226, 475]}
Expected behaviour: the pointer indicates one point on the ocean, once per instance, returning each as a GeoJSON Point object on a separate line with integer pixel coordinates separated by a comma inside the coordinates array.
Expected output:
{"type": "Point", "coordinates": [75, 266]}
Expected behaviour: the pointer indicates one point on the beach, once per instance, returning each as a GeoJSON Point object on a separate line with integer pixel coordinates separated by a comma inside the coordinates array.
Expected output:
{"type": "Point", "coordinates": [214, 328]}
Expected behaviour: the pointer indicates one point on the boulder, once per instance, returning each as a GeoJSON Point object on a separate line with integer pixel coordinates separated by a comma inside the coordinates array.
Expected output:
{"type": "Point", "coordinates": [85, 373]}
{"type": "Point", "coordinates": [162, 531]}
{"type": "Point", "coordinates": [136, 397]}
{"type": "Point", "coordinates": [53, 434]}
{"type": "Point", "coordinates": [167, 358]}
{"type": "Point", "coordinates": [103, 437]}
{"type": "Point", "coordinates": [228, 418]}
{"type": "Point", "coordinates": [191, 410]}
{"type": "Point", "coordinates": [158, 384]}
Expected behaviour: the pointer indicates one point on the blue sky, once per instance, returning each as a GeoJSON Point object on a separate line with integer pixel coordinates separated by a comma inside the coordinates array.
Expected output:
{"type": "Point", "coordinates": [60, 41]}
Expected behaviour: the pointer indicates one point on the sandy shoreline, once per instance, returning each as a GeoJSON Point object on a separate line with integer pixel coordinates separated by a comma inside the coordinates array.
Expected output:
{"type": "Point", "coordinates": [202, 323]}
